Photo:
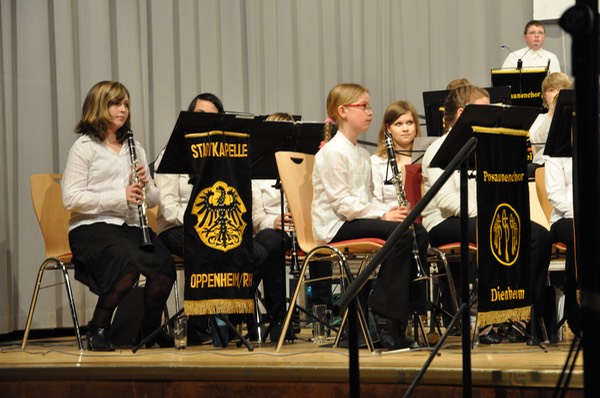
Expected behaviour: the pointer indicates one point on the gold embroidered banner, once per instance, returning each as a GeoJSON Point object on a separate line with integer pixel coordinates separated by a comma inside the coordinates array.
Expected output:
{"type": "Point", "coordinates": [218, 225]}
{"type": "Point", "coordinates": [503, 225]}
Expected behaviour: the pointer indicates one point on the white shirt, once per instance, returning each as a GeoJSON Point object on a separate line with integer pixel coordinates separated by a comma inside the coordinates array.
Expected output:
{"type": "Point", "coordinates": [446, 203]}
{"type": "Point", "coordinates": [174, 193]}
{"type": "Point", "coordinates": [382, 172]}
{"type": "Point", "coordinates": [532, 59]}
{"type": "Point", "coordinates": [266, 204]}
{"type": "Point", "coordinates": [342, 188]}
{"type": "Point", "coordinates": [94, 183]}
{"type": "Point", "coordinates": [538, 135]}
{"type": "Point", "coordinates": [559, 185]}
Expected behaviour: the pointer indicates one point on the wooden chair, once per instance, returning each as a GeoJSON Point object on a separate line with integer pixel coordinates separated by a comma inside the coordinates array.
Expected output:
{"type": "Point", "coordinates": [54, 224]}
{"type": "Point", "coordinates": [295, 172]}
{"type": "Point", "coordinates": [559, 249]}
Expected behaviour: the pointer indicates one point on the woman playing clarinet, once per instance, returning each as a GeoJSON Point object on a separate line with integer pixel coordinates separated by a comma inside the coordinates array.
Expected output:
{"type": "Point", "coordinates": [105, 229]}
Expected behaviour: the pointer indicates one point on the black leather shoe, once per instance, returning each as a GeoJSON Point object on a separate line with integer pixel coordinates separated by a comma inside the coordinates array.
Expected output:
{"type": "Point", "coordinates": [516, 333]}
{"type": "Point", "coordinates": [392, 334]}
{"type": "Point", "coordinates": [276, 330]}
{"type": "Point", "coordinates": [97, 339]}
{"type": "Point", "coordinates": [491, 337]}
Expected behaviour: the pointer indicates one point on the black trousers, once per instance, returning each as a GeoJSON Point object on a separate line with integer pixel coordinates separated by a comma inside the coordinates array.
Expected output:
{"type": "Point", "coordinates": [271, 269]}
{"type": "Point", "coordinates": [392, 295]}
{"type": "Point", "coordinates": [562, 231]}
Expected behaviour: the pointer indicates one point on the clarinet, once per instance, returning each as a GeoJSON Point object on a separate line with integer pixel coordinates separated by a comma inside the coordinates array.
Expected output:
{"type": "Point", "coordinates": [294, 266]}
{"type": "Point", "coordinates": [402, 201]}
{"type": "Point", "coordinates": [146, 241]}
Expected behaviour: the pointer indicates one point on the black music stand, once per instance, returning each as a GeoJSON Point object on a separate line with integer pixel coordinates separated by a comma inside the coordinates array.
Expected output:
{"type": "Point", "coordinates": [267, 138]}
{"type": "Point", "coordinates": [434, 106]}
{"type": "Point", "coordinates": [177, 161]}
{"type": "Point", "coordinates": [490, 117]}
{"type": "Point", "coordinates": [559, 142]}
{"type": "Point", "coordinates": [525, 84]}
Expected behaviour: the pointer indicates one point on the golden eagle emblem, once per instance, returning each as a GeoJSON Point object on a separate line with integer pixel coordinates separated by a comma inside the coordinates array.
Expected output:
{"type": "Point", "coordinates": [505, 234]}
{"type": "Point", "coordinates": [219, 210]}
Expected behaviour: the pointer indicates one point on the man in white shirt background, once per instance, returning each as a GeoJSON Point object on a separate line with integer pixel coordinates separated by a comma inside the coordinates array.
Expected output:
{"type": "Point", "coordinates": [533, 55]}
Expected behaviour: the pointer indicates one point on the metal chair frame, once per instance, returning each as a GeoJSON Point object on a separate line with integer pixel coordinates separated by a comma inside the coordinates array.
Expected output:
{"type": "Point", "coordinates": [295, 172]}
{"type": "Point", "coordinates": [54, 221]}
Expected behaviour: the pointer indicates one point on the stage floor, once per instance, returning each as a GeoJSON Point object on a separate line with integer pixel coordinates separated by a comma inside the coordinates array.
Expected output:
{"type": "Point", "coordinates": [55, 367]}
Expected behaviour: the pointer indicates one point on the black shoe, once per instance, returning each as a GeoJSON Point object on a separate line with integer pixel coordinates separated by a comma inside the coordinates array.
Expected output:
{"type": "Point", "coordinates": [392, 333]}
{"type": "Point", "coordinates": [276, 330]}
{"type": "Point", "coordinates": [98, 340]}
{"type": "Point", "coordinates": [516, 333]}
{"type": "Point", "coordinates": [198, 336]}
{"type": "Point", "coordinates": [491, 337]}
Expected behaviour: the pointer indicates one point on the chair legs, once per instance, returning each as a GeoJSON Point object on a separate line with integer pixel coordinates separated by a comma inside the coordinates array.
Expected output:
{"type": "Point", "coordinates": [52, 264]}
{"type": "Point", "coordinates": [440, 257]}
{"type": "Point", "coordinates": [345, 273]}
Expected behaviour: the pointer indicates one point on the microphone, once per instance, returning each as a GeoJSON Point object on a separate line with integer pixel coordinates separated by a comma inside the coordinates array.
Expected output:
{"type": "Point", "coordinates": [520, 60]}
{"type": "Point", "coordinates": [505, 47]}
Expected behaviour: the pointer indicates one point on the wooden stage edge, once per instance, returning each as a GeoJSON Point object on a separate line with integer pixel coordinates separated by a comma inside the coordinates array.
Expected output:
{"type": "Point", "coordinates": [56, 368]}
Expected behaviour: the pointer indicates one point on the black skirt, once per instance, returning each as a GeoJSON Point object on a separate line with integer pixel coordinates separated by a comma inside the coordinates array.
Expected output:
{"type": "Point", "coordinates": [103, 253]}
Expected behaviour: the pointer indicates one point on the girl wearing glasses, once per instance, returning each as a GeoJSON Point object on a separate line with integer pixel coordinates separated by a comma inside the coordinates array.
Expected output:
{"type": "Point", "coordinates": [344, 207]}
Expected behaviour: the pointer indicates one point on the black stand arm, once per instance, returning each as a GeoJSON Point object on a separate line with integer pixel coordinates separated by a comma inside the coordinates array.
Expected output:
{"type": "Point", "coordinates": [157, 331]}
{"type": "Point", "coordinates": [361, 279]}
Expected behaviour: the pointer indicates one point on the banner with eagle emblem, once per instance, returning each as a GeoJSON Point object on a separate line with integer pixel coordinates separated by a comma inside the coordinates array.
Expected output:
{"type": "Point", "coordinates": [503, 225]}
{"type": "Point", "coordinates": [218, 225]}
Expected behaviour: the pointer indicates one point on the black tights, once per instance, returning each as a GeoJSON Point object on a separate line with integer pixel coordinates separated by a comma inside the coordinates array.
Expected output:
{"type": "Point", "coordinates": [156, 293]}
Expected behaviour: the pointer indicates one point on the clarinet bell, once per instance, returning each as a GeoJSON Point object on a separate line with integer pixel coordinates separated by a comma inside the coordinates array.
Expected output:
{"type": "Point", "coordinates": [146, 240]}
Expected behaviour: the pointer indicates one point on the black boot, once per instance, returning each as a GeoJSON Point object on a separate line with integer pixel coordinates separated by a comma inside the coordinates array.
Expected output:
{"type": "Point", "coordinates": [392, 333]}
{"type": "Point", "coordinates": [98, 340]}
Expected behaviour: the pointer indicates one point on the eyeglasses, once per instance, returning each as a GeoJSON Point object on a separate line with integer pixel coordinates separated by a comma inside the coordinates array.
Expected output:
{"type": "Point", "coordinates": [364, 107]}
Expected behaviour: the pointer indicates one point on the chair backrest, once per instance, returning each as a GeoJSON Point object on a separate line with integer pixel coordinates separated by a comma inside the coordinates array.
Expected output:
{"type": "Point", "coordinates": [151, 214]}
{"type": "Point", "coordinates": [536, 211]}
{"type": "Point", "coordinates": [542, 193]}
{"type": "Point", "coordinates": [295, 171]}
{"type": "Point", "coordinates": [52, 217]}
{"type": "Point", "coordinates": [412, 176]}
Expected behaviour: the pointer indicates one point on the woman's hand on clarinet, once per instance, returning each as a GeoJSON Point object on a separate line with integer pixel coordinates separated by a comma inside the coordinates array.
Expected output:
{"type": "Point", "coordinates": [141, 174]}
{"type": "Point", "coordinates": [288, 221]}
{"type": "Point", "coordinates": [134, 194]}
{"type": "Point", "coordinates": [396, 213]}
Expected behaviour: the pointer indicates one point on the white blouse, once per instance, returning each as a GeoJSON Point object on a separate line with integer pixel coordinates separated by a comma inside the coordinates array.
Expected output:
{"type": "Point", "coordinates": [94, 183]}
{"type": "Point", "coordinates": [559, 185]}
{"type": "Point", "coordinates": [446, 203]}
{"type": "Point", "coordinates": [175, 192]}
{"type": "Point", "coordinates": [538, 135]}
{"type": "Point", "coordinates": [266, 204]}
{"type": "Point", "coordinates": [342, 188]}
{"type": "Point", "coordinates": [385, 193]}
